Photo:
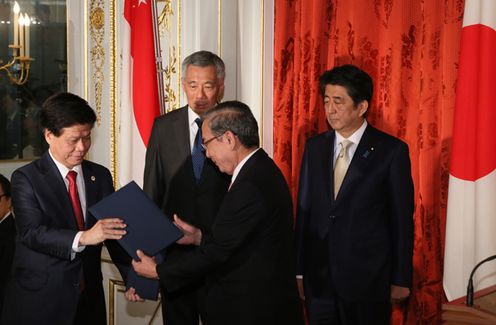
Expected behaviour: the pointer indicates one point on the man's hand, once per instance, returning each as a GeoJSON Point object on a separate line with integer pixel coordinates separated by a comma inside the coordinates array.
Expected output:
{"type": "Point", "coordinates": [146, 267]}
{"type": "Point", "coordinates": [399, 294]}
{"type": "Point", "coordinates": [192, 235]}
{"type": "Point", "coordinates": [111, 228]}
{"type": "Point", "coordinates": [131, 295]}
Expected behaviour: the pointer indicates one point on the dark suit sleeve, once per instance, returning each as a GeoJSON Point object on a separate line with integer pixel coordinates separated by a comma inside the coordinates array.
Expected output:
{"type": "Point", "coordinates": [241, 213]}
{"type": "Point", "coordinates": [401, 206]}
{"type": "Point", "coordinates": [302, 210]}
{"type": "Point", "coordinates": [32, 228]}
{"type": "Point", "coordinates": [153, 184]}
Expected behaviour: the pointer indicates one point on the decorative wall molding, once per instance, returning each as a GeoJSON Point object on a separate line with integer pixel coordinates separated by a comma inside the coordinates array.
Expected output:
{"type": "Point", "coordinates": [169, 22]}
{"type": "Point", "coordinates": [113, 90]}
{"type": "Point", "coordinates": [119, 310]}
{"type": "Point", "coordinates": [114, 285]}
{"type": "Point", "coordinates": [97, 33]}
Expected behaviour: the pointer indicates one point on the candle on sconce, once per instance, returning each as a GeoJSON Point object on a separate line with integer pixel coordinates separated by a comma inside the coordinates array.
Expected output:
{"type": "Point", "coordinates": [16, 24]}
{"type": "Point", "coordinates": [21, 35]}
{"type": "Point", "coordinates": [27, 22]}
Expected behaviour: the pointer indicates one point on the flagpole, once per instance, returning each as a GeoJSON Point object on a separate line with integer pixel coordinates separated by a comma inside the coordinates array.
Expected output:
{"type": "Point", "coordinates": [158, 57]}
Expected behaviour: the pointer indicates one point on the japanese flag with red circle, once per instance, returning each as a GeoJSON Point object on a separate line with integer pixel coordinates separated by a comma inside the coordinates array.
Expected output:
{"type": "Point", "coordinates": [471, 217]}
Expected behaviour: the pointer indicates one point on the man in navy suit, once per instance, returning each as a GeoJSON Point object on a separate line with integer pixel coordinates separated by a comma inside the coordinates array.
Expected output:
{"type": "Point", "coordinates": [247, 256]}
{"type": "Point", "coordinates": [355, 206]}
{"type": "Point", "coordinates": [56, 276]}
{"type": "Point", "coordinates": [169, 178]}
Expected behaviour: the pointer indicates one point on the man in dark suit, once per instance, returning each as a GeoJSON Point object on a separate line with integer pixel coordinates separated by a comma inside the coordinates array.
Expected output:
{"type": "Point", "coordinates": [7, 236]}
{"type": "Point", "coordinates": [170, 179]}
{"type": "Point", "coordinates": [354, 222]}
{"type": "Point", "coordinates": [247, 257]}
{"type": "Point", "coordinates": [56, 276]}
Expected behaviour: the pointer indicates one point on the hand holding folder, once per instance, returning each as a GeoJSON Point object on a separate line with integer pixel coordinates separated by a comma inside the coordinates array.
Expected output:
{"type": "Point", "coordinates": [148, 229]}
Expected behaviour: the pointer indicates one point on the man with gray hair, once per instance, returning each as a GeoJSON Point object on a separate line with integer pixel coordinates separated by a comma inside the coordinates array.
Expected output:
{"type": "Point", "coordinates": [178, 177]}
{"type": "Point", "coordinates": [247, 258]}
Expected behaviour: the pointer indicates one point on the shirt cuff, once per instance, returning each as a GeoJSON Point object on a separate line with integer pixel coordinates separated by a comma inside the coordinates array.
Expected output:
{"type": "Point", "coordinates": [75, 245]}
{"type": "Point", "coordinates": [299, 276]}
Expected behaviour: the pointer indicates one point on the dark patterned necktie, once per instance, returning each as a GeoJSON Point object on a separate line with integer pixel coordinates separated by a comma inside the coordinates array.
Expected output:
{"type": "Point", "coordinates": [198, 155]}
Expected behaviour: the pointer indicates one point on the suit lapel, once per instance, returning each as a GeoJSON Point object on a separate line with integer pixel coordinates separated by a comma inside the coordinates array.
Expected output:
{"type": "Point", "coordinates": [90, 182]}
{"type": "Point", "coordinates": [53, 177]}
{"type": "Point", "coordinates": [180, 127]}
{"type": "Point", "coordinates": [252, 161]}
{"type": "Point", "coordinates": [90, 188]}
{"type": "Point", "coordinates": [246, 167]}
{"type": "Point", "coordinates": [360, 161]}
{"type": "Point", "coordinates": [327, 163]}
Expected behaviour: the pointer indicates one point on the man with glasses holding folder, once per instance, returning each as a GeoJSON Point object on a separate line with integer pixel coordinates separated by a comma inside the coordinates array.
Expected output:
{"type": "Point", "coordinates": [247, 257]}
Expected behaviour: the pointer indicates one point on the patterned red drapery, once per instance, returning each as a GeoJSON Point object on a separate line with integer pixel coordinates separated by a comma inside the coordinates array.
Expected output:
{"type": "Point", "coordinates": [410, 48]}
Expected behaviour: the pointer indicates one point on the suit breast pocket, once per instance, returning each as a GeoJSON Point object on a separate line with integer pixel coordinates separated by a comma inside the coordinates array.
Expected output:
{"type": "Point", "coordinates": [32, 280]}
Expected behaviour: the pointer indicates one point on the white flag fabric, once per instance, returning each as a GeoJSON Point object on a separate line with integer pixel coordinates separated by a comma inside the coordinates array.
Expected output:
{"type": "Point", "coordinates": [471, 214]}
{"type": "Point", "coordinates": [139, 91]}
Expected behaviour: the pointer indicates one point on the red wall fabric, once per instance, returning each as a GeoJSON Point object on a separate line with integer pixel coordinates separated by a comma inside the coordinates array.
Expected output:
{"type": "Point", "coordinates": [411, 49]}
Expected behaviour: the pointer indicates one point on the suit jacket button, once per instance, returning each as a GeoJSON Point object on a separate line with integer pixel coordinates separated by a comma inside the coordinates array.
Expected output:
{"type": "Point", "coordinates": [332, 216]}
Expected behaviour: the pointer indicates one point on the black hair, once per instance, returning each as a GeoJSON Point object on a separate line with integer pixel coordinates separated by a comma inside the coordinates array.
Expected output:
{"type": "Point", "coordinates": [357, 82]}
{"type": "Point", "coordinates": [64, 110]}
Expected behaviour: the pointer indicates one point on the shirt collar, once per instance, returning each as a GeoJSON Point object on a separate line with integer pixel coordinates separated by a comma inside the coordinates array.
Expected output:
{"type": "Point", "coordinates": [355, 137]}
{"type": "Point", "coordinates": [192, 116]}
{"type": "Point", "coordinates": [241, 164]}
{"type": "Point", "coordinates": [5, 216]}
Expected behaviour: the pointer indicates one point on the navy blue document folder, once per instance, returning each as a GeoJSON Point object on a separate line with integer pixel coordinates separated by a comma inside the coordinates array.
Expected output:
{"type": "Point", "coordinates": [147, 229]}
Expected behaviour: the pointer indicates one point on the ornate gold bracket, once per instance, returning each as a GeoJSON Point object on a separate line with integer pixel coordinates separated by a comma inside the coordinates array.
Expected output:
{"type": "Point", "coordinates": [19, 65]}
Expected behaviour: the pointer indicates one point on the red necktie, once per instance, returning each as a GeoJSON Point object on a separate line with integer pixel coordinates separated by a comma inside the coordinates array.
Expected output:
{"type": "Point", "coordinates": [76, 207]}
{"type": "Point", "coordinates": [76, 203]}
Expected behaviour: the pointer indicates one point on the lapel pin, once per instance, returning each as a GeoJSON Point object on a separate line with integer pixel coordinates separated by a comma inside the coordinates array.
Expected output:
{"type": "Point", "coordinates": [93, 178]}
{"type": "Point", "coordinates": [367, 153]}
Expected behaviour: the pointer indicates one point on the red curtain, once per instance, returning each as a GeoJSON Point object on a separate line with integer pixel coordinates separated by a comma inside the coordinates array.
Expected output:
{"type": "Point", "coordinates": [410, 48]}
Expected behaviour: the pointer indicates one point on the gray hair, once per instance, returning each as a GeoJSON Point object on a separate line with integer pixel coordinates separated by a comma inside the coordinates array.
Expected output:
{"type": "Point", "coordinates": [236, 117]}
{"type": "Point", "coordinates": [204, 59]}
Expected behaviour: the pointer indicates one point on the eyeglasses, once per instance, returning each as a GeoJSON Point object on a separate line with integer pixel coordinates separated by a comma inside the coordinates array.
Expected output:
{"type": "Point", "coordinates": [205, 143]}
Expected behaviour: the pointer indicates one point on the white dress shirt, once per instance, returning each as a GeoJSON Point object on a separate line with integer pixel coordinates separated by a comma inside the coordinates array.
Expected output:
{"type": "Point", "coordinates": [82, 197]}
{"type": "Point", "coordinates": [354, 138]}
{"type": "Point", "coordinates": [193, 127]}
{"type": "Point", "coordinates": [5, 217]}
